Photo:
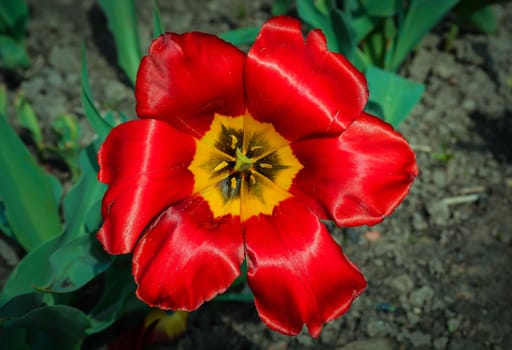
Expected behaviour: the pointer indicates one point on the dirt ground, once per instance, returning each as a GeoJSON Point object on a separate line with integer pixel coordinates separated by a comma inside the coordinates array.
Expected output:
{"type": "Point", "coordinates": [438, 268]}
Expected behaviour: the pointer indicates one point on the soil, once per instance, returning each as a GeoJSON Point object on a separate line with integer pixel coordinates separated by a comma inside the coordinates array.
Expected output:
{"type": "Point", "coordinates": [438, 268]}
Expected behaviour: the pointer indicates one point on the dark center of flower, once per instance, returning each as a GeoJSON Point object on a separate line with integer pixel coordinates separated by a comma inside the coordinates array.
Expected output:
{"type": "Point", "coordinates": [241, 162]}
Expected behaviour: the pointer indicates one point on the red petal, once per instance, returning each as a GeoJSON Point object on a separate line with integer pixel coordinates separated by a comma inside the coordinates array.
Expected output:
{"type": "Point", "coordinates": [297, 272]}
{"type": "Point", "coordinates": [360, 176]}
{"type": "Point", "coordinates": [145, 164]}
{"type": "Point", "coordinates": [299, 86]}
{"type": "Point", "coordinates": [187, 257]}
{"type": "Point", "coordinates": [186, 78]}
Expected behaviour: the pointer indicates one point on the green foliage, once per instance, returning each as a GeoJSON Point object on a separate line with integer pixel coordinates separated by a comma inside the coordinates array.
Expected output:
{"type": "Point", "coordinates": [479, 13]}
{"type": "Point", "coordinates": [26, 191]}
{"type": "Point", "coordinates": [157, 23]}
{"type": "Point", "coordinates": [28, 120]}
{"type": "Point", "coordinates": [122, 22]}
{"type": "Point", "coordinates": [395, 95]}
{"type": "Point", "coordinates": [421, 16]}
{"type": "Point", "coordinates": [13, 20]}
{"type": "Point", "coordinates": [241, 36]}
{"type": "Point", "coordinates": [97, 122]}
{"type": "Point", "coordinates": [334, 23]}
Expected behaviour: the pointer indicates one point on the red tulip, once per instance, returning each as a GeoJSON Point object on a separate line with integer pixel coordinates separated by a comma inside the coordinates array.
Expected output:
{"type": "Point", "coordinates": [239, 156]}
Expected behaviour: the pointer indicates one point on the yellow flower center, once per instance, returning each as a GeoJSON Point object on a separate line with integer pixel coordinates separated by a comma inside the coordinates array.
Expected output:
{"type": "Point", "coordinates": [243, 167]}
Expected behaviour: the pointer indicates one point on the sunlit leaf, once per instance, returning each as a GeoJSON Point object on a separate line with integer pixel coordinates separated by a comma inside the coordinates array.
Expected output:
{"type": "Point", "coordinates": [27, 119]}
{"type": "Point", "coordinates": [76, 263]}
{"type": "Point", "coordinates": [157, 23]}
{"type": "Point", "coordinates": [241, 36]}
{"type": "Point", "coordinates": [26, 191]}
{"type": "Point", "coordinates": [68, 147]}
{"type": "Point", "coordinates": [380, 8]}
{"type": "Point", "coordinates": [395, 95]}
{"type": "Point", "coordinates": [84, 194]}
{"type": "Point", "coordinates": [335, 25]}
{"type": "Point", "coordinates": [122, 22]}
{"type": "Point", "coordinates": [33, 270]}
{"type": "Point", "coordinates": [420, 18]}
{"type": "Point", "coordinates": [12, 53]}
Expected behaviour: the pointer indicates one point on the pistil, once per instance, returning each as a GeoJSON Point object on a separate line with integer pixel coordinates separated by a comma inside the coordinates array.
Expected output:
{"type": "Point", "coordinates": [243, 163]}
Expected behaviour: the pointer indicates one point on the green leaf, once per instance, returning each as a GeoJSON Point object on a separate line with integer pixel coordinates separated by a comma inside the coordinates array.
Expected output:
{"type": "Point", "coordinates": [32, 271]}
{"type": "Point", "coordinates": [281, 7]}
{"type": "Point", "coordinates": [97, 122]}
{"type": "Point", "coordinates": [12, 53]}
{"type": "Point", "coordinates": [4, 224]}
{"type": "Point", "coordinates": [245, 297]}
{"type": "Point", "coordinates": [68, 147]}
{"type": "Point", "coordinates": [363, 25]}
{"type": "Point", "coordinates": [19, 306]}
{"type": "Point", "coordinates": [485, 20]}
{"type": "Point", "coordinates": [28, 120]}
{"type": "Point", "coordinates": [241, 36]}
{"type": "Point", "coordinates": [54, 327]}
{"type": "Point", "coordinates": [84, 194]}
{"type": "Point", "coordinates": [380, 8]}
{"type": "Point", "coordinates": [420, 18]}
{"type": "Point", "coordinates": [335, 25]}
{"type": "Point", "coordinates": [13, 17]}
{"type": "Point", "coordinates": [26, 192]}
{"type": "Point", "coordinates": [122, 22]}
{"type": "Point", "coordinates": [76, 263]}
{"type": "Point", "coordinates": [395, 95]}
{"type": "Point", "coordinates": [157, 23]}
{"type": "Point", "coordinates": [119, 289]}
{"type": "Point", "coordinates": [14, 339]}
{"type": "Point", "coordinates": [3, 99]}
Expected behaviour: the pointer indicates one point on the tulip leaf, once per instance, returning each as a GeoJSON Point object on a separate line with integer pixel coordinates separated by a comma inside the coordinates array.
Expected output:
{"type": "Point", "coordinates": [13, 18]}
{"type": "Point", "coordinates": [84, 194]}
{"type": "Point", "coordinates": [485, 20]}
{"type": "Point", "coordinates": [157, 23]}
{"type": "Point", "coordinates": [76, 263]}
{"type": "Point", "coordinates": [119, 289]}
{"type": "Point", "coordinates": [395, 95]}
{"type": "Point", "coordinates": [33, 270]}
{"type": "Point", "coordinates": [55, 326]}
{"type": "Point", "coordinates": [122, 22]}
{"type": "Point", "coordinates": [17, 307]}
{"type": "Point", "coordinates": [68, 147]}
{"type": "Point", "coordinates": [335, 25]}
{"type": "Point", "coordinates": [12, 53]}
{"type": "Point", "coordinates": [380, 8]}
{"type": "Point", "coordinates": [281, 7]}
{"type": "Point", "coordinates": [26, 191]}
{"type": "Point", "coordinates": [363, 25]}
{"type": "Point", "coordinates": [245, 297]}
{"type": "Point", "coordinates": [97, 122]}
{"type": "Point", "coordinates": [241, 36]}
{"type": "Point", "coordinates": [28, 120]}
{"type": "Point", "coordinates": [420, 18]}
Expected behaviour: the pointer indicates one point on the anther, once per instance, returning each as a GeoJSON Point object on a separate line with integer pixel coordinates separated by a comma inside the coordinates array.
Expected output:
{"type": "Point", "coordinates": [234, 141]}
{"type": "Point", "coordinates": [221, 166]}
{"type": "Point", "coordinates": [265, 165]}
{"type": "Point", "coordinates": [254, 148]}
{"type": "Point", "coordinates": [233, 183]}
{"type": "Point", "coordinates": [252, 179]}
